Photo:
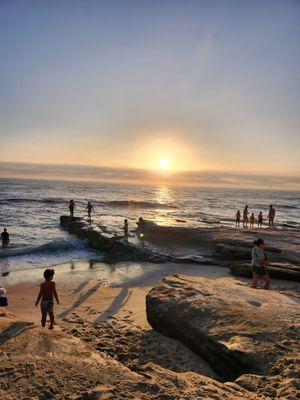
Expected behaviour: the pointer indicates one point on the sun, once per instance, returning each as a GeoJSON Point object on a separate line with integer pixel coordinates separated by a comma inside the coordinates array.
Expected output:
{"type": "Point", "coordinates": [164, 163]}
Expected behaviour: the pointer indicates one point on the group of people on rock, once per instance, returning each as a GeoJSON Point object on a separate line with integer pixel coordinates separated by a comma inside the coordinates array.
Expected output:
{"type": "Point", "coordinates": [89, 208]}
{"type": "Point", "coordinates": [251, 220]}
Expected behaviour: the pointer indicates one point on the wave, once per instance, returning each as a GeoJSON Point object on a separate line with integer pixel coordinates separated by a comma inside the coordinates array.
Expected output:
{"type": "Point", "coordinates": [136, 203]}
{"type": "Point", "coordinates": [27, 200]}
{"type": "Point", "coordinates": [55, 246]}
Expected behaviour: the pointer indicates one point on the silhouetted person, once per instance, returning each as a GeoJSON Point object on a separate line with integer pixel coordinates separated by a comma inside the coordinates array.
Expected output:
{"type": "Point", "coordinates": [72, 207]}
{"type": "Point", "coordinates": [237, 219]}
{"type": "Point", "coordinates": [259, 263]}
{"type": "Point", "coordinates": [5, 238]}
{"type": "Point", "coordinates": [245, 217]}
{"type": "Point", "coordinates": [89, 209]}
{"type": "Point", "coordinates": [260, 220]}
{"type": "Point", "coordinates": [271, 215]}
{"type": "Point", "coordinates": [141, 225]}
{"type": "Point", "coordinates": [252, 220]}
{"type": "Point", "coordinates": [125, 229]}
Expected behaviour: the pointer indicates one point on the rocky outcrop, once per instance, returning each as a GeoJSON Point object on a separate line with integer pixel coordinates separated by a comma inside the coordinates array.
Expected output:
{"type": "Point", "coordinates": [41, 364]}
{"type": "Point", "coordinates": [118, 249]}
{"type": "Point", "coordinates": [286, 272]}
{"type": "Point", "coordinates": [239, 331]}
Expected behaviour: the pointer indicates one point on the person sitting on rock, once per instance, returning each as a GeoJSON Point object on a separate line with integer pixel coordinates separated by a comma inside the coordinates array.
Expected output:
{"type": "Point", "coordinates": [259, 263]}
{"type": "Point", "coordinates": [237, 219]}
{"type": "Point", "coordinates": [89, 209]}
{"type": "Point", "coordinates": [5, 238]}
{"type": "Point", "coordinates": [252, 220]}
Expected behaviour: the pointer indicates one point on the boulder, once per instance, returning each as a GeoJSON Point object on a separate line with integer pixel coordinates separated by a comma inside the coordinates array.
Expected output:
{"type": "Point", "coordinates": [239, 331]}
{"type": "Point", "coordinates": [283, 271]}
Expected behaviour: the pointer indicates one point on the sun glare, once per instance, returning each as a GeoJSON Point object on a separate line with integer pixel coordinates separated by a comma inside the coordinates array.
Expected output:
{"type": "Point", "coordinates": [164, 163]}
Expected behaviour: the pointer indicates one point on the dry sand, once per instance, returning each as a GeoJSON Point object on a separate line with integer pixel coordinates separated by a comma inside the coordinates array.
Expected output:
{"type": "Point", "coordinates": [104, 307]}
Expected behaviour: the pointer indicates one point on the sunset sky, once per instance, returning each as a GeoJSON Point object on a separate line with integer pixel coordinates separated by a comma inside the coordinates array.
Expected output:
{"type": "Point", "coordinates": [162, 84]}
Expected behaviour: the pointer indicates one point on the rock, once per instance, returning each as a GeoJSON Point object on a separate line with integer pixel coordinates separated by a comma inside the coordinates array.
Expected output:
{"type": "Point", "coordinates": [53, 364]}
{"type": "Point", "coordinates": [283, 271]}
{"type": "Point", "coordinates": [235, 328]}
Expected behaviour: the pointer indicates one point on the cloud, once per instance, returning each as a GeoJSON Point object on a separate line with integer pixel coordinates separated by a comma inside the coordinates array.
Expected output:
{"type": "Point", "coordinates": [119, 175]}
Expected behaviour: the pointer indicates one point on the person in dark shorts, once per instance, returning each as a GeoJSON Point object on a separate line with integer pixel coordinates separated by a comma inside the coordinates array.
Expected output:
{"type": "Point", "coordinates": [245, 217]}
{"type": "Point", "coordinates": [252, 220]}
{"type": "Point", "coordinates": [237, 219]}
{"type": "Point", "coordinates": [72, 207]}
{"type": "Point", "coordinates": [89, 209]}
{"type": "Point", "coordinates": [46, 294]}
{"type": "Point", "coordinates": [259, 263]}
{"type": "Point", "coordinates": [260, 220]}
{"type": "Point", "coordinates": [125, 229]}
{"type": "Point", "coordinates": [5, 238]}
{"type": "Point", "coordinates": [271, 215]}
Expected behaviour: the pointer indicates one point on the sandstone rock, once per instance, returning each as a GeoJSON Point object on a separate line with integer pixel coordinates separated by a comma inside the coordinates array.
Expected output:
{"type": "Point", "coordinates": [237, 329]}
{"type": "Point", "coordinates": [283, 271]}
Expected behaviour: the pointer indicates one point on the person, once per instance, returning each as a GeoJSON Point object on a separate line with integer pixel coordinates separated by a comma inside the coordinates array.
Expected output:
{"type": "Point", "coordinates": [46, 294]}
{"type": "Point", "coordinates": [89, 209]}
{"type": "Point", "coordinates": [5, 238]}
{"type": "Point", "coordinates": [271, 215]}
{"type": "Point", "coordinates": [237, 219]}
{"type": "Point", "coordinates": [72, 207]}
{"type": "Point", "coordinates": [259, 262]}
{"type": "Point", "coordinates": [245, 217]}
{"type": "Point", "coordinates": [125, 228]}
{"type": "Point", "coordinates": [3, 298]}
{"type": "Point", "coordinates": [260, 220]}
{"type": "Point", "coordinates": [252, 220]}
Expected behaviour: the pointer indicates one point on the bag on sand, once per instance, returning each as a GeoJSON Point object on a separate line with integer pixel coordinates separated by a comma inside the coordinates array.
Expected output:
{"type": "Point", "coordinates": [3, 302]}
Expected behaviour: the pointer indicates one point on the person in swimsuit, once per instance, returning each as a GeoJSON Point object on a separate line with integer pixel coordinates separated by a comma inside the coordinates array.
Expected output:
{"type": "Point", "coordinates": [252, 220]}
{"type": "Point", "coordinates": [125, 229]}
{"type": "Point", "coordinates": [72, 207]}
{"type": "Point", "coordinates": [260, 220]}
{"type": "Point", "coordinates": [5, 238]}
{"type": "Point", "coordinates": [237, 219]}
{"type": "Point", "coordinates": [245, 217]}
{"type": "Point", "coordinates": [89, 209]}
{"type": "Point", "coordinates": [259, 263]}
{"type": "Point", "coordinates": [46, 294]}
{"type": "Point", "coordinates": [271, 215]}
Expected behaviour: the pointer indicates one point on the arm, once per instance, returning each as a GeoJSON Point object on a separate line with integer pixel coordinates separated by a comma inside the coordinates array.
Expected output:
{"type": "Point", "coordinates": [39, 295]}
{"type": "Point", "coordinates": [55, 293]}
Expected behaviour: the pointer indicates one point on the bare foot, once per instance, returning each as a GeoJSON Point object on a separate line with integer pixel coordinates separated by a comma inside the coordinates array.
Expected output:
{"type": "Point", "coordinates": [51, 327]}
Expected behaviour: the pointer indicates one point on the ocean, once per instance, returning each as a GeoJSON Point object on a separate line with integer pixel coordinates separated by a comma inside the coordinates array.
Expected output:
{"type": "Point", "coordinates": [30, 210]}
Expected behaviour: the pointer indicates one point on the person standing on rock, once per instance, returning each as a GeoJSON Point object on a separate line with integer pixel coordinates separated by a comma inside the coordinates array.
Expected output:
{"type": "Point", "coordinates": [260, 220]}
{"type": "Point", "coordinates": [89, 209]}
{"type": "Point", "coordinates": [72, 208]}
{"type": "Point", "coordinates": [271, 215]}
{"type": "Point", "coordinates": [125, 229]}
{"type": "Point", "coordinates": [259, 263]}
{"type": "Point", "coordinates": [245, 217]}
{"type": "Point", "coordinates": [237, 219]}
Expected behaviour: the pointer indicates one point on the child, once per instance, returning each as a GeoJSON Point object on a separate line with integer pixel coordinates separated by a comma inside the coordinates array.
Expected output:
{"type": "Point", "coordinates": [47, 291]}
{"type": "Point", "coordinates": [252, 220]}
{"type": "Point", "coordinates": [260, 220]}
{"type": "Point", "coordinates": [237, 219]}
{"type": "Point", "coordinates": [259, 263]}
{"type": "Point", "coordinates": [125, 228]}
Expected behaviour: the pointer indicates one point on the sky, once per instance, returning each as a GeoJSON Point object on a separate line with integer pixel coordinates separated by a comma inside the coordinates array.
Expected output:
{"type": "Point", "coordinates": [210, 86]}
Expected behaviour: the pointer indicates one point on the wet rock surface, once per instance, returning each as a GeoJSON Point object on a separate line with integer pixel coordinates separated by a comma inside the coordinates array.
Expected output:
{"type": "Point", "coordinates": [244, 334]}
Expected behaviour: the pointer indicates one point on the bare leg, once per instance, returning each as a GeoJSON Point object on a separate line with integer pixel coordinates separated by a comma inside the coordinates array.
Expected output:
{"type": "Point", "coordinates": [255, 280]}
{"type": "Point", "coordinates": [267, 280]}
{"type": "Point", "coordinates": [44, 317]}
{"type": "Point", "coordinates": [51, 315]}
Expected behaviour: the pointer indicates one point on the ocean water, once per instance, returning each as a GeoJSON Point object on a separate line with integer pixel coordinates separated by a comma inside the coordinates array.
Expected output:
{"type": "Point", "coordinates": [30, 209]}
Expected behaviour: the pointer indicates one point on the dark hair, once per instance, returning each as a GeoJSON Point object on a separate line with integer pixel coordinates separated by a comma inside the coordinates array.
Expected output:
{"type": "Point", "coordinates": [48, 273]}
{"type": "Point", "coordinates": [258, 242]}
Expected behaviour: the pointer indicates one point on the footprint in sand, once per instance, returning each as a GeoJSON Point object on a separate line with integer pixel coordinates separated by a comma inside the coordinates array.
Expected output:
{"type": "Point", "coordinates": [254, 303]}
